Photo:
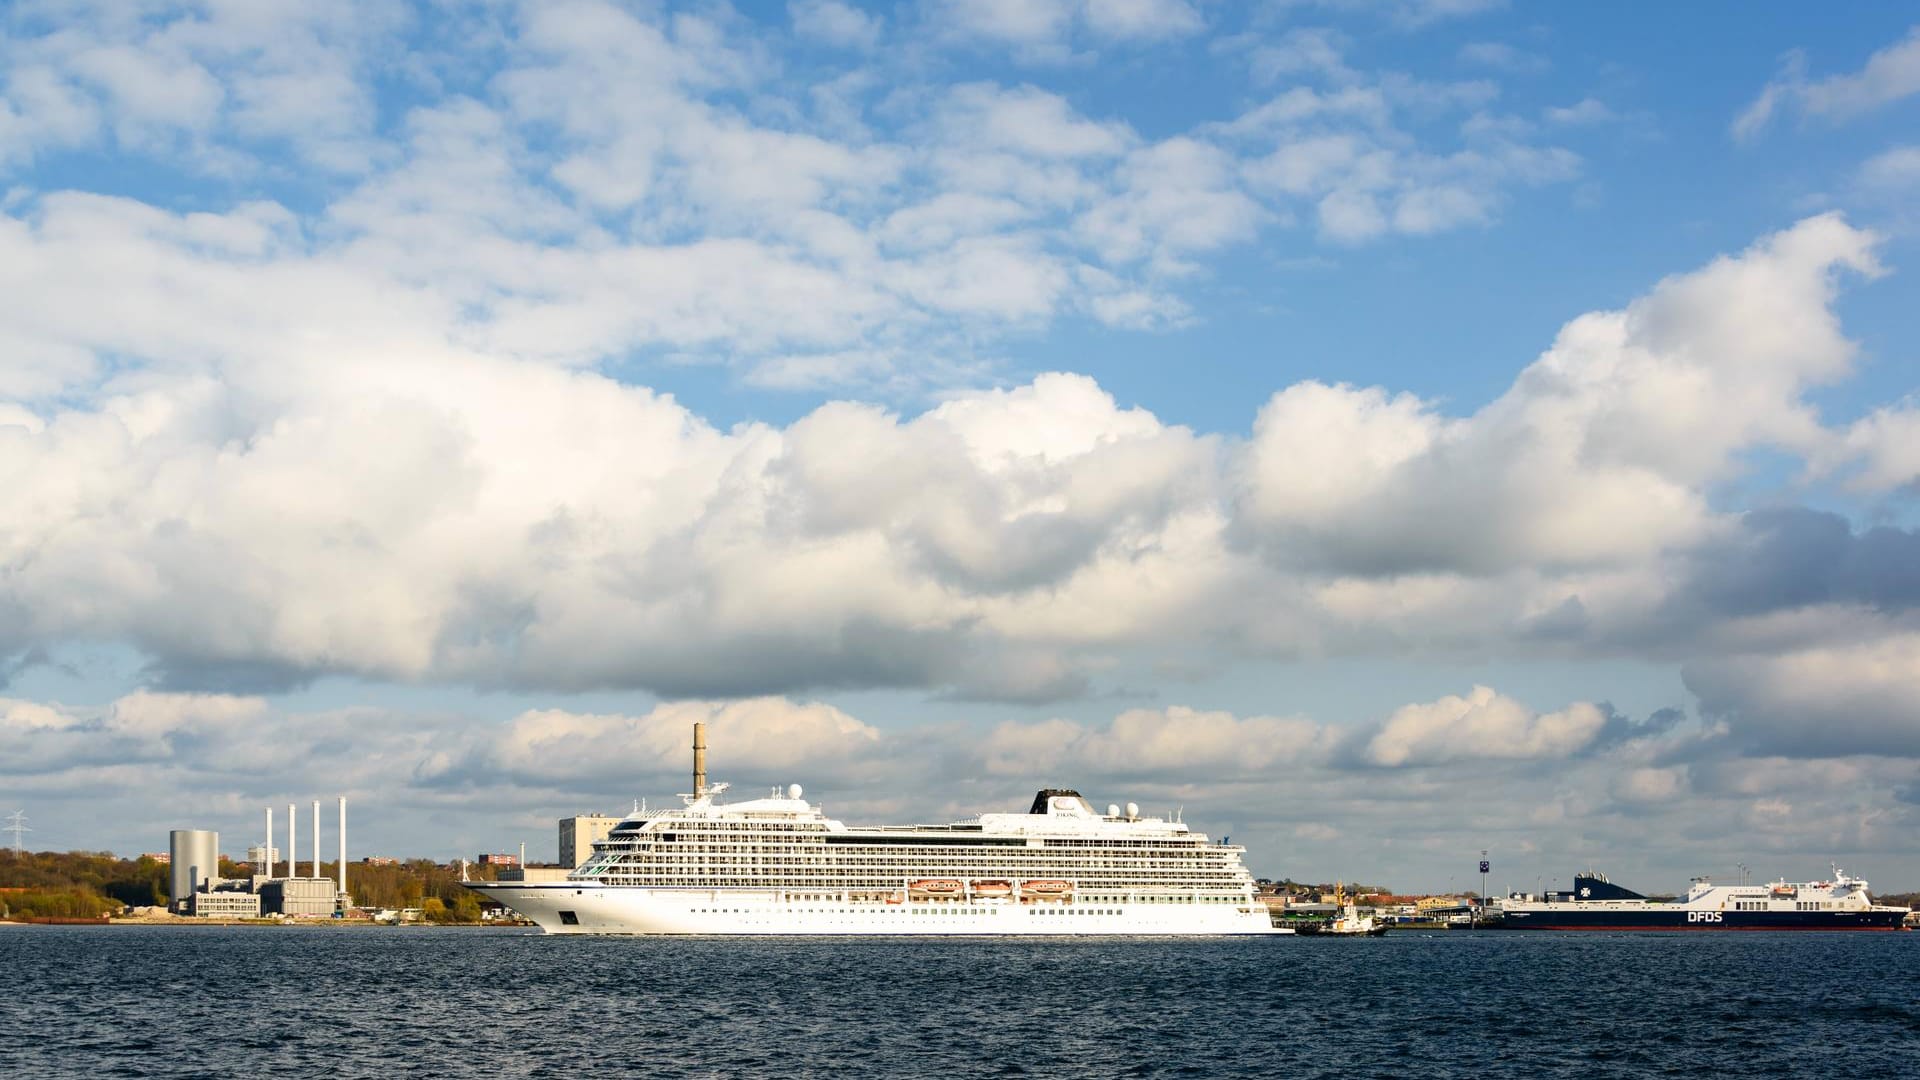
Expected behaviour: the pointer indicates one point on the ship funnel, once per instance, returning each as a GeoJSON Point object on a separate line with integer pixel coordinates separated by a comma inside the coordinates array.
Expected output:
{"type": "Point", "coordinates": [699, 760]}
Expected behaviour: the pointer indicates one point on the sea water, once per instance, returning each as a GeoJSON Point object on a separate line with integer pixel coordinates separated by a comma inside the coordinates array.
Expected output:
{"type": "Point", "coordinates": [378, 1002]}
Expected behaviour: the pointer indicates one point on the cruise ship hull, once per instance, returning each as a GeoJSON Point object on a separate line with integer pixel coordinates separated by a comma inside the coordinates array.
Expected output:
{"type": "Point", "coordinates": [1678, 918]}
{"type": "Point", "coordinates": [576, 908]}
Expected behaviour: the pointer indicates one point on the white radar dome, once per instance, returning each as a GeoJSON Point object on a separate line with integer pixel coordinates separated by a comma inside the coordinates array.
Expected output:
{"type": "Point", "coordinates": [1113, 809]}
{"type": "Point", "coordinates": [1133, 810]}
{"type": "Point", "coordinates": [794, 791]}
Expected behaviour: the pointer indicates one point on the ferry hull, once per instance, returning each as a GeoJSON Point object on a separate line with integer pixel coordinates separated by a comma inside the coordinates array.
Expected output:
{"type": "Point", "coordinates": [1695, 920]}
{"type": "Point", "coordinates": [573, 908]}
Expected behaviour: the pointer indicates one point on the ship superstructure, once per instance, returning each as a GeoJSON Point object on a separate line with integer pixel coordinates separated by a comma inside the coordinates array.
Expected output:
{"type": "Point", "coordinates": [1594, 903]}
{"type": "Point", "coordinates": [779, 865]}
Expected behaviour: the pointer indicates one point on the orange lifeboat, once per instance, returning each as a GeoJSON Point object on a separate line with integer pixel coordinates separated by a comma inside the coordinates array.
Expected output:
{"type": "Point", "coordinates": [989, 890]}
{"type": "Point", "coordinates": [1047, 887]}
{"type": "Point", "coordinates": [936, 887]}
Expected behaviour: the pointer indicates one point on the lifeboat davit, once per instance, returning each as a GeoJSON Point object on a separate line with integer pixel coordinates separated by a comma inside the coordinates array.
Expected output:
{"type": "Point", "coordinates": [1046, 888]}
{"type": "Point", "coordinates": [991, 889]}
{"type": "Point", "coordinates": [936, 887]}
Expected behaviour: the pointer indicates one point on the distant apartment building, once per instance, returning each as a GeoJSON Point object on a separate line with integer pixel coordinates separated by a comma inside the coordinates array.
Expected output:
{"type": "Point", "coordinates": [485, 859]}
{"type": "Point", "coordinates": [164, 858]}
{"type": "Point", "coordinates": [380, 860]}
{"type": "Point", "coordinates": [577, 835]}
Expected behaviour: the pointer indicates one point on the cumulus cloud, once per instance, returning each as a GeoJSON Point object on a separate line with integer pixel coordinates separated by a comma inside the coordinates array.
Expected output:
{"type": "Point", "coordinates": [1483, 724]}
{"type": "Point", "coordinates": [1601, 451]}
{"type": "Point", "coordinates": [1879, 451]}
{"type": "Point", "coordinates": [325, 479]}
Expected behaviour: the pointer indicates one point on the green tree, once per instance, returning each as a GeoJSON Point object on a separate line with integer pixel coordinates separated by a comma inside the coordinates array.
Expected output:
{"type": "Point", "coordinates": [466, 909]}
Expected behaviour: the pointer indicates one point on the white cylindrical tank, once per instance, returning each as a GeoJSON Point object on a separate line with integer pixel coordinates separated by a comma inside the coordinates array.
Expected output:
{"type": "Point", "coordinates": [195, 862]}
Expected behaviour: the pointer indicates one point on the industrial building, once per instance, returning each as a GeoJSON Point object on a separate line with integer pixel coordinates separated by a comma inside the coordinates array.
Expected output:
{"type": "Point", "coordinates": [297, 896]}
{"type": "Point", "coordinates": [577, 836]}
{"type": "Point", "coordinates": [197, 888]}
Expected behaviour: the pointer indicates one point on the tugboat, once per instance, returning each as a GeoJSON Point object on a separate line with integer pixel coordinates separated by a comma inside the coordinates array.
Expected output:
{"type": "Point", "coordinates": [1594, 903]}
{"type": "Point", "coordinates": [1349, 923]}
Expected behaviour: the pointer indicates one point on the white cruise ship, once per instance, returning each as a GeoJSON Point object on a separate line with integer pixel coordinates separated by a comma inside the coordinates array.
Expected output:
{"type": "Point", "coordinates": [778, 865]}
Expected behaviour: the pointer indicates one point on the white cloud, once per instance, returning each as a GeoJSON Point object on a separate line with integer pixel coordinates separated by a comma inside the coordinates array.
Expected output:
{"type": "Point", "coordinates": [167, 84]}
{"type": "Point", "coordinates": [1176, 742]}
{"type": "Point", "coordinates": [1650, 785]}
{"type": "Point", "coordinates": [1599, 453]}
{"type": "Point", "coordinates": [1143, 20]}
{"type": "Point", "coordinates": [835, 23]}
{"type": "Point", "coordinates": [1408, 14]}
{"type": "Point", "coordinates": [1483, 724]}
{"type": "Point", "coordinates": [1884, 444]}
{"type": "Point", "coordinates": [1583, 112]}
{"type": "Point", "coordinates": [1890, 75]}
{"type": "Point", "coordinates": [1044, 30]}
{"type": "Point", "coordinates": [1038, 26]}
{"type": "Point", "coordinates": [1028, 121]}
{"type": "Point", "coordinates": [1893, 171]}
{"type": "Point", "coordinates": [556, 747]}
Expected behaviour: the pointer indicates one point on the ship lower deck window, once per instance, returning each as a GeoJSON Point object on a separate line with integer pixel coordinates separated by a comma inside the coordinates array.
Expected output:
{"type": "Point", "coordinates": [569, 918]}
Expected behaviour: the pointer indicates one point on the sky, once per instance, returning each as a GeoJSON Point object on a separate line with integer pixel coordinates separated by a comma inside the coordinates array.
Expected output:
{"type": "Point", "coordinates": [1376, 430]}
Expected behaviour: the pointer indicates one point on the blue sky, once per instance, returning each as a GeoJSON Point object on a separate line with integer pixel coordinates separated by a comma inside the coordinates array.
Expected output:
{"type": "Point", "coordinates": [1386, 429]}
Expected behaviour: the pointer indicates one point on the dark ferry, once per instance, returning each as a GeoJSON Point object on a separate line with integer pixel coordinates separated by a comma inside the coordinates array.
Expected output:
{"type": "Point", "coordinates": [1594, 903]}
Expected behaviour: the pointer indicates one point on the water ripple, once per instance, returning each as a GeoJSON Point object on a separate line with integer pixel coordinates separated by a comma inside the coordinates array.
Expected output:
{"type": "Point", "coordinates": [350, 1002]}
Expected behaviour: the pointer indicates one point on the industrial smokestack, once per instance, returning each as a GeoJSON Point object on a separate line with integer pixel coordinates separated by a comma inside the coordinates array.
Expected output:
{"type": "Point", "coordinates": [266, 853]}
{"type": "Point", "coordinates": [316, 838]}
{"type": "Point", "coordinates": [699, 759]}
{"type": "Point", "coordinates": [343, 846]}
{"type": "Point", "coordinates": [293, 845]}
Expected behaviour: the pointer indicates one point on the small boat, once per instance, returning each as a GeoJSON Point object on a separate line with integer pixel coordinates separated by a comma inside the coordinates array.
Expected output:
{"type": "Point", "coordinates": [989, 890]}
{"type": "Point", "coordinates": [936, 887]}
{"type": "Point", "coordinates": [1046, 887]}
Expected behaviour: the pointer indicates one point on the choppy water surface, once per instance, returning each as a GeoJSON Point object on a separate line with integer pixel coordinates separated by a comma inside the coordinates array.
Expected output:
{"type": "Point", "coordinates": [346, 1002]}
